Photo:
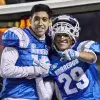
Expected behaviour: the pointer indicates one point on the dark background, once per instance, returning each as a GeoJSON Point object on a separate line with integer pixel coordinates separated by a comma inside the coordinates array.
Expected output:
{"type": "Point", "coordinates": [90, 25]}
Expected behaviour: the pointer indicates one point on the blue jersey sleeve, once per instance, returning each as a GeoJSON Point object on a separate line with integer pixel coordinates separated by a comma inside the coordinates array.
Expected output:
{"type": "Point", "coordinates": [89, 45]}
{"type": "Point", "coordinates": [15, 37]}
{"type": "Point", "coordinates": [96, 48]}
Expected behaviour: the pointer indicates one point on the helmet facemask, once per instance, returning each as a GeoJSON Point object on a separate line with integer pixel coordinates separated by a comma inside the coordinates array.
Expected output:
{"type": "Point", "coordinates": [66, 24]}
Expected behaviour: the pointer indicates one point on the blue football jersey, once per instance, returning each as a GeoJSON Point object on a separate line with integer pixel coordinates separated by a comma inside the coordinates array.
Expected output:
{"type": "Point", "coordinates": [76, 80]}
{"type": "Point", "coordinates": [30, 49]}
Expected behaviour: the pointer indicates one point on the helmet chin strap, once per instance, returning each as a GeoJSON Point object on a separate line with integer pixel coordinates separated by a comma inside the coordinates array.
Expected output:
{"type": "Point", "coordinates": [58, 51]}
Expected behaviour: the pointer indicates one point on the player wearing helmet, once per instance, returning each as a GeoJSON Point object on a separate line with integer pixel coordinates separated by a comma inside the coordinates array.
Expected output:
{"type": "Point", "coordinates": [74, 68]}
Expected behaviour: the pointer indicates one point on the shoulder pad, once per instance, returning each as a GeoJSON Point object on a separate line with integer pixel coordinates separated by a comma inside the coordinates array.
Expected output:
{"type": "Point", "coordinates": [15, 37]}
{"type": "Point", "coordinates": [85, 45]}
{"type": "Point", "coordinates": [96, 48]}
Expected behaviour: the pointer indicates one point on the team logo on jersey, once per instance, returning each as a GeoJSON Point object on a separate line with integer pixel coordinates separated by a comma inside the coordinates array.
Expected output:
{"type": "Point", "coordinates": [54, 65]}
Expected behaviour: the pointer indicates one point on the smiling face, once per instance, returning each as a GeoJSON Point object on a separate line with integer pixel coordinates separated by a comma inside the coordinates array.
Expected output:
{"type": "Point", "coordinates": [40, 23]}
{"type": "Point", "coordinates": [62, 41]}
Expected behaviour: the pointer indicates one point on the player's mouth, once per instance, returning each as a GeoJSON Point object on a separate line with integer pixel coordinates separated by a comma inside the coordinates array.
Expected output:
{"type": "Point", "coordinates": [40, 29]}
{"type": "Point", "coordinates": [63, 41]}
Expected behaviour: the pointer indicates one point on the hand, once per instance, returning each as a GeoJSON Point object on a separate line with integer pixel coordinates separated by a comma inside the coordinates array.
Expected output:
{"type": "Point", "coordinates": [45, 69]}
{"type": "Point", "coordinates": [70, 54]}
{"type": "Point", "coordinates": [38, 71]}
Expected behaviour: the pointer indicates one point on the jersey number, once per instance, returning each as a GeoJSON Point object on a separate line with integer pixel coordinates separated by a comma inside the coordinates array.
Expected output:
{"type": "Point", "coordinates": [76, 74]}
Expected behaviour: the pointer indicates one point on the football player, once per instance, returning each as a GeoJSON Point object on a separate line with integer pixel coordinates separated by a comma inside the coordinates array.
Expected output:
{"type": "Point", "coordinates": [24, 48]}
{"type": "Point", "coordinates": [74, 63]}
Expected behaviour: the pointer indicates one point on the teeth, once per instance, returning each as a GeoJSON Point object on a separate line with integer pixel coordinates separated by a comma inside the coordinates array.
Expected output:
{"type": "Point", "coordinates": [64, 42]}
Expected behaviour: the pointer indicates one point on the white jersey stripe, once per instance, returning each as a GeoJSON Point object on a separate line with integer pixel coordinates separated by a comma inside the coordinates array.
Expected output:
{"type": "Point", "coordinates": [84, 45]}
{"type": "Point", "coordinates": [23, 38]}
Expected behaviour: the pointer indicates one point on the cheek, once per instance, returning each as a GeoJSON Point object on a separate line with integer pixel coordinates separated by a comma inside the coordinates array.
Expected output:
{"type": "Point", "coordinates": [46, 24]}
{"type": "Point", "coordinates": [57, 44]}
{"type": "Point", "coordinates": [34, 24]}
{"type": "Point", "coordinates": [56, 40]}
{"type": "Point", "coordinates": [71, 42]}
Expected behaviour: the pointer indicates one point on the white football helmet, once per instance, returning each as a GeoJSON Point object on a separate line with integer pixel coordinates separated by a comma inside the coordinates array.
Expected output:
{"type": "Point", "coordinates": [65, 24]}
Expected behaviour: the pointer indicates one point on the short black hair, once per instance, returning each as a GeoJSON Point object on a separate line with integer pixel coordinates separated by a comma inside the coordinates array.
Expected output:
{"type": "Point", "coordinates": [41, 7]}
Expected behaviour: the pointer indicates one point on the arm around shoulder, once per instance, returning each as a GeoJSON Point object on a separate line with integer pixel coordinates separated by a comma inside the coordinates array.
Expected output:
{"type": "Point", "coordinates": [87, 56]}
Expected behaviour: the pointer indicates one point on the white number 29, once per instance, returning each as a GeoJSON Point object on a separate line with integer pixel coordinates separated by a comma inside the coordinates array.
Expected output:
{"type": "Point", "coordinates": [76, 74]}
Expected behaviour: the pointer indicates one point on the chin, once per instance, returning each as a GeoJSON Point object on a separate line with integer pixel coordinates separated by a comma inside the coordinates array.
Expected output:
{"type": "Point", "coordinates": [41, 34]}
{"type": "Point", "coordinates": [62, 49]}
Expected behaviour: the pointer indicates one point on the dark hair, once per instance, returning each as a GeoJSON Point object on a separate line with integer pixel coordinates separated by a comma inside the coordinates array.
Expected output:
{"type": "Point", "coordinates": [41, 7]}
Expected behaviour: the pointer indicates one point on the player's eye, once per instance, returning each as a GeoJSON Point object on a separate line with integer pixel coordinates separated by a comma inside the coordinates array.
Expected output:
{"type": "Point", "coordinates": [36, 18]}
{"type": "Point", "coordinates": [45, 19]}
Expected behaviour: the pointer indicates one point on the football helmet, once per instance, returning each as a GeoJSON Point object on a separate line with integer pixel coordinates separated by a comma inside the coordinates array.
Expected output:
{"type": "Point", "coordinates": [65, 24]}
